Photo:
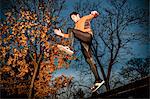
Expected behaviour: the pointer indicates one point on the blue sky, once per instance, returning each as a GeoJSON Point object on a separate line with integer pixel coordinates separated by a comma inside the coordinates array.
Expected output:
{"type": "Point", "coordinates": [140, 49]}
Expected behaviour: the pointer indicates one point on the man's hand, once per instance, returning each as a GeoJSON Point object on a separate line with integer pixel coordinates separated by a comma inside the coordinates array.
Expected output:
{"type": "Point", "coordinates": [95, 13]}
{"type": "Point", "coordinates": [58, 32]}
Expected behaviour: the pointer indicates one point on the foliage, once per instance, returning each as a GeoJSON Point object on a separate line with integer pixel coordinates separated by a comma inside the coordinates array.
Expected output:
{"type": "Point", "coordinates": [29, 54]}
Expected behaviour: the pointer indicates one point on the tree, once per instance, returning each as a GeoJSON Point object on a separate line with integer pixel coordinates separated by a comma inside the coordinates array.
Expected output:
{"type": "Point", "coordinates": [111, 35]}
{"type": "Point", "coordinates": [74, 90]}
{"type": "Point", "coordinates": [135, 69]}
{"type": "Point", "coordinates": [29, 55]}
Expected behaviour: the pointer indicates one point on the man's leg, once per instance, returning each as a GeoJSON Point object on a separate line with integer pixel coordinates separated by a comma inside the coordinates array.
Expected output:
{"type": "Point", "coordinates": [85, 38]}
{"type": "Point", "coordinates": [82, 36]}
{"type": "Point", "coordinates": [88, 56]}
{"type": "Point", "coordinates": [89, 59]}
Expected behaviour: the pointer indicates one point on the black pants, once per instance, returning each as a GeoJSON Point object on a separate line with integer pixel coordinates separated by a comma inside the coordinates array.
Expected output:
{"type": "Point", "coordinates": [85, 40]}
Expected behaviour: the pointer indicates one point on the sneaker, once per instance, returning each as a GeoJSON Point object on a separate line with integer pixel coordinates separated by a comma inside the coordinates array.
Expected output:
{"type": "Point", "coordinates": [97, 86]}
{"type": "Point", "coordinates": [66, 49]}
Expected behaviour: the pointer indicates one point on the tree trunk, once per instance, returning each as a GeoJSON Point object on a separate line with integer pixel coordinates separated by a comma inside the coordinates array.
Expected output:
{"type": "Point", "coordinates": [103, 74]}
{"type": "Point", "coordinates": [107, 85]}
{"type": "Point", "coordinates": [32, 81]}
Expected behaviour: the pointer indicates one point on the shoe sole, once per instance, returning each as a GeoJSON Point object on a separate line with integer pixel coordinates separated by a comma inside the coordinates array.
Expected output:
{"type": "Point", "coordinates": [99, 85]}
{"type": "Point", "coordinates": [67, 50]}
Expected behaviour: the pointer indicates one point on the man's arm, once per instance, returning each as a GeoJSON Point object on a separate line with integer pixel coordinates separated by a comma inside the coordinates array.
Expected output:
{"type": "Point", "coordinates": [95, 14]}
{"type": "Point", "coordinates": [59, 32]}
{"type": "Point", "coordinates": [92, 15]}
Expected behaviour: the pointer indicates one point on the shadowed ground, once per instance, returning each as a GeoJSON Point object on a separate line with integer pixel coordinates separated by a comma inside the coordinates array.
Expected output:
{"type": "Point", "coordinates": [137, 89]}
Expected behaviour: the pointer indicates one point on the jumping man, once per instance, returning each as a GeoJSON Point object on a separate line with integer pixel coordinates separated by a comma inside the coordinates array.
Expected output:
{"type": "Point", "coordinates": [83, 32]}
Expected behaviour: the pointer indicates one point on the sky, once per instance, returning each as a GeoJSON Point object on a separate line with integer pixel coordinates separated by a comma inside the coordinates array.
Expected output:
{"type": "Point", "coordinates": [139, 49]}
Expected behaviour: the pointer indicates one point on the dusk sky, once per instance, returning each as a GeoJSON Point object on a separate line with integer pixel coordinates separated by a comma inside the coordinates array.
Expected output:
{"type": "Point", "coordinates": [139, 49]}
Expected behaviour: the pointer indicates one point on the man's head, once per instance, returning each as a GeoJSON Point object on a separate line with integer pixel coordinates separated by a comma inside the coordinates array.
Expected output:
{"type": "Point", "coordinates": [75, 16]}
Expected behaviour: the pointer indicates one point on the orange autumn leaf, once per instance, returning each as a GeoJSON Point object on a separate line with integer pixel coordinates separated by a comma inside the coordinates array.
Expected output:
{"type": "Point", "coordinates": [6, 69]}
{"type": "Point", "coordinates": [52, 69]}
{"type": "Point", "coordinates": [26, 55]}
{"type": "Point", "coordinates": [10, 60]}
{"type": "Point", "coordinates": [60, 62]}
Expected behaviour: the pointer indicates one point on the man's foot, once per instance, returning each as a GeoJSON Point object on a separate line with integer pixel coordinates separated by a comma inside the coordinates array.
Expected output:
{"type": "Point", "coordinates": [97, 86]}
{"type": "Point", "coordinates": [66, 49]}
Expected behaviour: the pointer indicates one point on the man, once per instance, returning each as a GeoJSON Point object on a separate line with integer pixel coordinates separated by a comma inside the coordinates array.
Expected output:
{"type": "Point", "coordinates": [83, 32]}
